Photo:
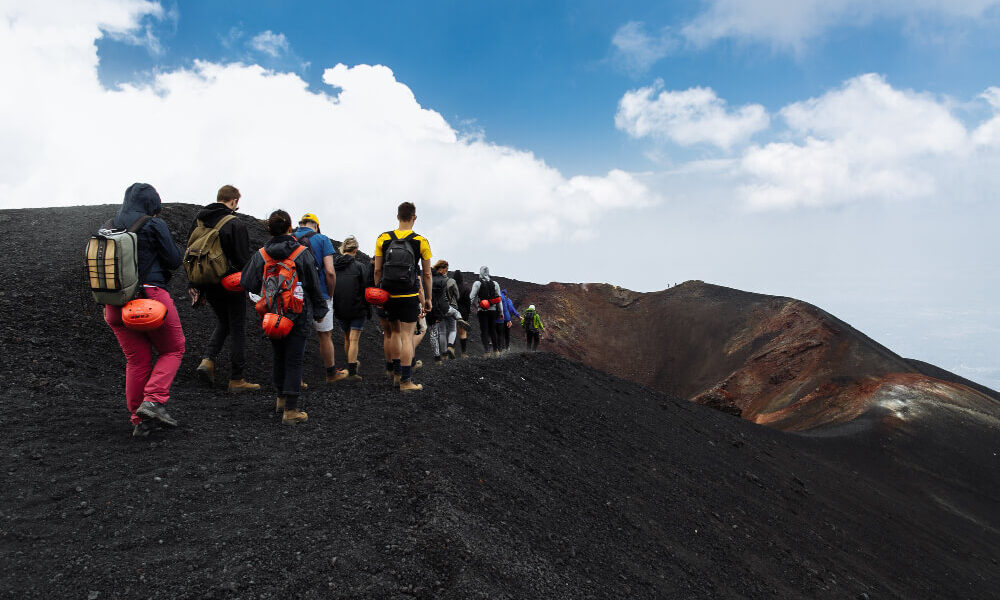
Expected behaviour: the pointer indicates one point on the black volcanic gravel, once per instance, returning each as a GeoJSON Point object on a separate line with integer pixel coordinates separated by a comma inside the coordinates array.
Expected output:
{"type": "Point", "coordinates": [528, 476]}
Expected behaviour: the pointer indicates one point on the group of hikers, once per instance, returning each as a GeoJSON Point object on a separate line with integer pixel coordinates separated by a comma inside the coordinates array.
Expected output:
{"type": "Point", "coordinates": [299, 283]}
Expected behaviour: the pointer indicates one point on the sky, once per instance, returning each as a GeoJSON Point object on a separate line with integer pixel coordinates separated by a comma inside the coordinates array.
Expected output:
{"type": "Point", "coordinates": [843, 152]}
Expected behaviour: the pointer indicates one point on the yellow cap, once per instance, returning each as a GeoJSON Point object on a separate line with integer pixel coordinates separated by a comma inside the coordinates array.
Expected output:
{"type": "Point", "coordinates": [310, 217]}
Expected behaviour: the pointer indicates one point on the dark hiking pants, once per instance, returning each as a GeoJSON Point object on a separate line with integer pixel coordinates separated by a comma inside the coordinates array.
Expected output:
{"type": "Point", "coordinates": [230, 310]}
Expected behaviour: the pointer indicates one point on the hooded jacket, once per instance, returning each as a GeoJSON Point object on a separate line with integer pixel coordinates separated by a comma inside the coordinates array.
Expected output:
{"type": "Point", "coordinates": [233, 236]}
{"type": "Point", "coordinates": [158, 254]}
{"type": "Point", "coordinates": [280, 248]}
{"type": "Point", "coordinates": [508, 308]}
{"type": "Point", "coordinates": [484, 289]}
{"type": "Point", "coordinates": [349, 295]}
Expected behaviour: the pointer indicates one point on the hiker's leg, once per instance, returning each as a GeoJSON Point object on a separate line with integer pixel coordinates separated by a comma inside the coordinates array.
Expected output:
{"type": "Point", "coordinates": [169, 341]}
{"type": "Point", "coordinates": [218, 301]}
{"type": "Point", "coordinates": [236, 304]}
{"type": "Point", "coordinates": [138, 359]}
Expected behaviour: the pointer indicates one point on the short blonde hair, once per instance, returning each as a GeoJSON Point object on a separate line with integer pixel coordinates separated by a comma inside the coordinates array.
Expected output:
{"type": "Point", "coordinates": [350, 244]}
{"type": "Point", "coordinates": [441, 263]}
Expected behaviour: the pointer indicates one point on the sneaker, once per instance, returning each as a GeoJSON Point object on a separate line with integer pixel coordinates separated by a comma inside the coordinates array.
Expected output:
{"type": "Point", "coordinates": [451, 352]}
{"type": "Point", "coordinates": [279, 405]}
{"type": "Point", "coordinates": [291, 417]}
{"type": "Point", "coordinates": [303, 385]}
{"type": "Point", "coordinates": [142, 429]}
{"type": "Point", "coordinates": [409, 386]}
{"type": "Point", "coordinates": [242, 385]}
{"type": "Point", "coordinates": [206, 371]}
{"type": "Point", "coordinates": [395, 380]}
{"type": "Point", "coordinates": [354, 377]}
{"type": "Point", "coordinates": [417, 365]}
{"type": "Point", "coordinates": [338, 375]}
{"type": "Point", "coordinates": [153, 410]}
{"type": "Point", "coordinates": [390, 374]}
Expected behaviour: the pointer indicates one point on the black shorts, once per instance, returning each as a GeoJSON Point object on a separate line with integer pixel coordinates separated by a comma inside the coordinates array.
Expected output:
{"type": "Point", "coordinates": [405, 310]}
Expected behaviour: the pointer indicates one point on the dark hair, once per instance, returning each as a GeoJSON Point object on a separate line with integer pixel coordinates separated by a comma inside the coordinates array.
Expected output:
{"type": "Point", "coordinates": [227, 193]}
{"type": "Point", "coordinates": [279, 223]}
{"type": "Point", "coordinates": [406, 211]}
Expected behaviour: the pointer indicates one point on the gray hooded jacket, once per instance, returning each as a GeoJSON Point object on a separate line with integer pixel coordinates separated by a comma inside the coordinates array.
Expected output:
{"type": "Point", "coordinates": [484, 289]}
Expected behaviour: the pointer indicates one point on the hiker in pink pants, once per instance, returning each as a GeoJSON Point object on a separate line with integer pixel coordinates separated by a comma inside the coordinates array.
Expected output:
{"type": "Point", "coordinates": [143, 380]}
{"type": "Point", "coordinates": [147, 385]}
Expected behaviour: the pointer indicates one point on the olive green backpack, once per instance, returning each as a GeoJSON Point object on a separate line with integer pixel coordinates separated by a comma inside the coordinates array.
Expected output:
{"type": "Point", "coordinates": [204, 260]}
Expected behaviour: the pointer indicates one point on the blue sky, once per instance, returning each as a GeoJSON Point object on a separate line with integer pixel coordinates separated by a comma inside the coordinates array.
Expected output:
{"type": "Point", "coordinates": [844, 152]}
{"type": "Point", "coordinates": [542, 76]}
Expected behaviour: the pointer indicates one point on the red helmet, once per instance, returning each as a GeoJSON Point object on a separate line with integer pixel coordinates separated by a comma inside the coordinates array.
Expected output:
{"type": "Point", "coordinates": [143, 314]}
{"type": "Point", "coordinates": [484, 304]}
{"type": "Point", "coordinates": [376, 296]}
{"type": "Point", "coordinates": [276, 326]}
{"type": "Point", "coordinates": [232, 282]}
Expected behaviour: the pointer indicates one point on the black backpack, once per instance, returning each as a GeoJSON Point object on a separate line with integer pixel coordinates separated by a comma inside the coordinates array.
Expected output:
{"type": "Point", "coordinates": [529, 321]}
{"type": "Point", "coordinates": [439, 297]}
{"type": "Point", "coordinates": [399, 265]}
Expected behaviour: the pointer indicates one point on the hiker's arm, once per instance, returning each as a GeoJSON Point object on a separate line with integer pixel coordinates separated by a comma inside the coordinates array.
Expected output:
{"type": "Point", "coordinates": [474, 295]}
{"type": "Point", "coordinates": [168, 249]}
{"type": "Point", "coordinates": [330, 273]}
{"type": "Point", "coordinates": [377, 274]}
{"type": "Point", "coordinates": [425, 290]}
{"type": "Point", "coordinates": [241, 245]}
{"type": "Point", "coordinates": [250, 280]}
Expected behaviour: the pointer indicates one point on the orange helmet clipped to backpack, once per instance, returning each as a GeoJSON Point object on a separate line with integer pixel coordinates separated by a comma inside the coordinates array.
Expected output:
{"type": "Point", "coordinates": [143, 314]}
{"type": "Point", "coordinates": [276, 326]}
{"type": "Point", "coordinates": [376, 296]}
{"type": "Point", "coordinates": [484, 304]}
{"type": "Point", "coordinates": [232, 282]}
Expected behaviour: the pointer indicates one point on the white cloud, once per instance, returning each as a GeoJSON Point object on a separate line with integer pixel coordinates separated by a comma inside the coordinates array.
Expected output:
{"type": "Point", "coordinates": [788, 24]}
{"type": "Point", "coordinates": [865, 140]}
{"type": "Point", "coordinates": [687, 117]}
{"type": "Point", "coordinates": [636, 51]}
{"type": "Point", "coordinates": [270, 43]}
{"type": "Point", "coordinates": [988, 134]}
{"type": "Point", "coordinates": [350, 157]}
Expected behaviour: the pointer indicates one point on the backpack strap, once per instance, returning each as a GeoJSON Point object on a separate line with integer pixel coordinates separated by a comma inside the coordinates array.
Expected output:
{"type": "Point", "coordinates": [267, 257]}
{"type": "Point", "coordinates": [139, 224]}
{"type": "Point", "coordinates": [295, 253]}
{"type": "Point", "coordinates": [221, 222]}
{"type": "Point", "coordinates": [305, 236]}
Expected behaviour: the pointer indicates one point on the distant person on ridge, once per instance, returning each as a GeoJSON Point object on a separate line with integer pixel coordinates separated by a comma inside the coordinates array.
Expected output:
{"type": "Point", "coordinates": [230, 308]}
{"type": "Point", "coordinates": [502, 323]}
{"type": "Point", "coordinates": [444, 317]}
{"type": "Point", "coordinates": [464, 305]}
{"type": "Point", "coordinates": [349, 306]}
{"type": "Point", "coordinates": [323, 252]}
{"type": "Point", "coordinates": [486, 291]}
{"type": "Point", "coordinates": [397, 255]}
{"type": "Point", "coordinates": [533, 328]}
{"type": "Point", "coordinates": [147, 386]}
{"type": "Point", "coordinates": [510, 312]}
{"type": "Point", "coordinates": [286, 374]}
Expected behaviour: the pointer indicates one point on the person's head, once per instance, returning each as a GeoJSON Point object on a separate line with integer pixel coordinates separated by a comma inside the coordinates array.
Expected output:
{"type": "Point", "coordinates": [230, 196]}
{"type": "Point", "coordinates": [349, 246]}
{"type": "Point", "coordinates": [441, 267]}
{"type": "Point", "coordinates": [279, 223]}
{"type": "Point", "coordinates": [311, 221]}
{"type": "Point", "coordinates": [484, 272]}
{"type": "Point", "coordinates": [406, 213]}
{"type": "Point", "coordinates": [531, 307]}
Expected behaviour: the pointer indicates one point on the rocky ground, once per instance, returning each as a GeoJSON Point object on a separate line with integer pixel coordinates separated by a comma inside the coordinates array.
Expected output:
{"type": "Point", "coordinates": [529, 476]}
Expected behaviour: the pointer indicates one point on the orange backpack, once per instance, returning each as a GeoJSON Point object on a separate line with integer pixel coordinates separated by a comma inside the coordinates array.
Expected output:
{"type": "Point", "coordinates": [281, 291]}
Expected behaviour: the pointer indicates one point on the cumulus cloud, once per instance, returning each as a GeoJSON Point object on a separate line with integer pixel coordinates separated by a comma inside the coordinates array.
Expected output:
{"type": "Point", "coordinates": [865, 140]}
{"type": "Point", "coordinates": [635, 51]}
{"type": "Point", "coordinates": [687, 117]}
{"type": "Point", "coordinates": [788, 24]}
{"type": "Point", "coordinates": [270, 43]}
{"type": "Point", "coordinates": [350, 154]}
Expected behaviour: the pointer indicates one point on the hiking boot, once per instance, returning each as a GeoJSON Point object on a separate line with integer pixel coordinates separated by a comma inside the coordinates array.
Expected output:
{"type": "Point", "coordinates": [409, 386]}
{"type": "Point", "coordinates": [279, 405]}
{"type": "Point", "coordinates": [291, 417]}
{"type": "Point", "coordinates": [417, 365]}
{"type": "Point", "coordinates": [354, 377]}
{"type": "Point", "coordinates": [153, 410]}
{"type": "Point", "coordinates": [395, 380]}
{"type": "Point", "coordinates": [142, 429]}
{"type": "Point", "coordinates": [390, 374]}
{"type": "Point", "coordinates": [438, 360]}
{"type": "Point", "coordinates": [206, 371]}
{"type": "Point", "coordinates": [451, 352]}
{"type": "Point", "coordinates": [303, 385]}
{"type": "Point", "coordinates": [242, 385]}
{"type": "Point", "coordinates": [496, 354]}
{"type": "Point", "coordinates": [338, 375]}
